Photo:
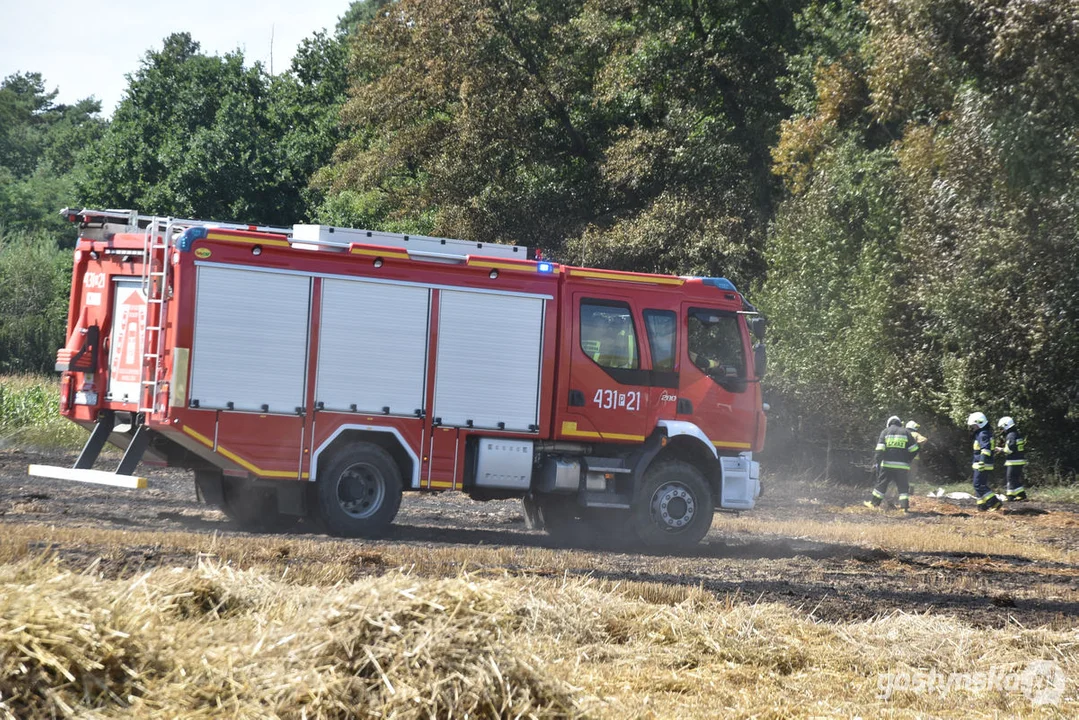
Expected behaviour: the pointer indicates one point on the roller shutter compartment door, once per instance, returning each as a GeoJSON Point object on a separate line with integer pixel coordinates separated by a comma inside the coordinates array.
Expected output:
{"type": "Point", "coordinates": [250, 345]}
{"type": "Point", "coordinates": [488, 366]}
{"type": "Point", "coordinates": [372, 347]}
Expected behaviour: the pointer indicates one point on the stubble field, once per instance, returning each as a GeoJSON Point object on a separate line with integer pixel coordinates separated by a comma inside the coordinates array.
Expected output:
{"type": "Point", "coordinates": [135, 604]}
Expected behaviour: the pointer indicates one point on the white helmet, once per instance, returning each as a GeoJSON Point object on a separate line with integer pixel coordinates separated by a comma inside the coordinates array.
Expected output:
{"type": "Point", "coordinates": [1005, 423]}
{"type": "Point", "coordinates": [977, 418]}
{"type": "Point", "coordinates": [912, 425]}
{"type": "Point", "coordinates": [893, 420]}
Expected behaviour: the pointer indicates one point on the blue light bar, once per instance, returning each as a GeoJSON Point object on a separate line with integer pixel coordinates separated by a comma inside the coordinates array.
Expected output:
{"type": "Point", "coordinates": [720, 282]}
{"type": "Point", "coordinates": [189, 236]}
{"type": "Point", "coordinates": [544, 267]}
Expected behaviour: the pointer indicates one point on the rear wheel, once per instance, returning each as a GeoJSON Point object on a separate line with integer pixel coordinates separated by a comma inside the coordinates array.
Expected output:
{"type": "Point", "coordinates": [360, 492]}
{"type": "Point", "coordinates": [674, 507]}
{"type": "Point", "coordinates": [252, 508]}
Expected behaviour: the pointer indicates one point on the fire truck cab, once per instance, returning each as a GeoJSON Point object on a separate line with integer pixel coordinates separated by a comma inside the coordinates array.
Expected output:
{"type": "Point", "coordinates": [318, 372]}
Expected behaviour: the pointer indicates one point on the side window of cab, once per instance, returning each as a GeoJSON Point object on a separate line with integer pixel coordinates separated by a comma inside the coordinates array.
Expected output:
{"type": "Point", "coordinates": [662, 327]}
{"type": "Point", "coordinates": [608, 335]}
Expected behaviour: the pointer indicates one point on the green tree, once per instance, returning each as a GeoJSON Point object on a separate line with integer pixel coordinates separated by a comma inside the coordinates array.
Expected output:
{"type": "Point", "coordinates": [638, 132]}
{"type": "Point", "coordinates": [958, 120]}
{"type": "Point", "coordinates": [39, 146]}
{"type": "Point", "coordinates": [201, 136]}
{"type": "Point", "coordinates": [35, 278]}
{"type": "Point", "coordinates": [360, 13]}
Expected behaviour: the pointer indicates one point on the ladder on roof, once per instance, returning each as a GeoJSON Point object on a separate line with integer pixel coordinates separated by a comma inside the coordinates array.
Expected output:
{"type": "Point", "coordinates": [157, 242]}
{"type": "Point", "coordinates": [133, 221]}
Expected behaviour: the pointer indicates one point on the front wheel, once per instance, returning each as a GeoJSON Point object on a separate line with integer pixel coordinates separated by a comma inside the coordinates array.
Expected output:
{"type": "Point", "coordinates": [360, 493]}
{"type": "Point", "coordinates": [674, 507]}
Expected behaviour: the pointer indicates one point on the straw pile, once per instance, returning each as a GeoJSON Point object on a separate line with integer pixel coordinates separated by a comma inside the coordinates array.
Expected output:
{"type": "Point", "coordinates": [60, 647]}
{"type": "Point", "coordinates": [215, 642]}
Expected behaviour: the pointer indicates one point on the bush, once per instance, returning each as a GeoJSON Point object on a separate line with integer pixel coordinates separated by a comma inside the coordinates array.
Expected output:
{"type": "Point", "coordinates": [35, 282]}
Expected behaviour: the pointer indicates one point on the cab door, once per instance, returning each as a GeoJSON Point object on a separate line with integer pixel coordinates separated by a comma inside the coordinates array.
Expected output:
{"type": "Point", "coordinates": [661, 327]}
{"type": "Point", "coordinates": [714, 384]}
{"type": "Point", "coordinates": [609, 385]}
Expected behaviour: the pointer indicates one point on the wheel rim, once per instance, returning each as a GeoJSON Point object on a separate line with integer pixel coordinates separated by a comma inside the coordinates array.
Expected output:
{"type": "Point", "coordinates": [361, 490]}
{"type": "Point", "coordinates": [673, 507]}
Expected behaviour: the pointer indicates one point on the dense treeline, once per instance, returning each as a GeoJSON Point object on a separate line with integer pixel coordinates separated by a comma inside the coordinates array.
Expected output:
{"type": "Point", "coordinates": [926, 259]}
{"type": "Point", "coordinates": [894, 180]}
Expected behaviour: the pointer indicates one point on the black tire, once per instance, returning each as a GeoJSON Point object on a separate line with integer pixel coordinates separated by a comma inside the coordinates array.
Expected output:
{"type": "Point", "coordinates": [360, 492]}
{"type": "Point", "coordinates": [252, 508]}
{"type": "Point", "coordinates": [674, 507]}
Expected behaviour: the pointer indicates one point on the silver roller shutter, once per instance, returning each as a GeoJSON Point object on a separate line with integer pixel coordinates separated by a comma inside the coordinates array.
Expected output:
{"type": "Point", "coordinates": [488, 360]}
{"type": "Point", "coordinates": [372, 346]}
{"type": "Point", "coordinates": [250, 345]}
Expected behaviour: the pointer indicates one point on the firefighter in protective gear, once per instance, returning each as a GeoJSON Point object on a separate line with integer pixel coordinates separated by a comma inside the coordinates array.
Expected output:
{"type": "Point", "coordinates": [914, 428]}
{"type": "Point", "coordinates": [895, 450]}
{"type": "Point", "coordinates": [1014, 451]}
{"type": "Point", "coordinates": [982, 463]}
{"type": "Point", "coordinates": [915, 431]}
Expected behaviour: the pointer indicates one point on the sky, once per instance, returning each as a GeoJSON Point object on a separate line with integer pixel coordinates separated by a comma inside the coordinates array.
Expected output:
{"type": "Point", "coordinates": [86, 48]}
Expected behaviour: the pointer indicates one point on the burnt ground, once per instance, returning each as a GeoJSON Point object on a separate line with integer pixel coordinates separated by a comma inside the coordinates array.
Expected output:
{"type": "Point", "coordinates": [774, 553]}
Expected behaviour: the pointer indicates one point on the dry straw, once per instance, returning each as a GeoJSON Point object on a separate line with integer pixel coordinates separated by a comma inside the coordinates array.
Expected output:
{"type": "Point", "coordinates": [215, 642]}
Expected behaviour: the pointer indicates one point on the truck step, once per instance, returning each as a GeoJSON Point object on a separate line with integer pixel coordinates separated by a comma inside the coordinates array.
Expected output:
{"type": "Point", "coordinates": [97, 477]}
{"type": "Point", "coordinates": [606, 465]}
{"type": "Point", "coordinates": [605, 500]}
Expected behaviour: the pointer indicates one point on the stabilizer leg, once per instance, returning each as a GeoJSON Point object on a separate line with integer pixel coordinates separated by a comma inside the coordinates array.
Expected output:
{"type": "Point", "coordinates": [134, 451]}
{"type": "Point", "coordinates": [105, 423]}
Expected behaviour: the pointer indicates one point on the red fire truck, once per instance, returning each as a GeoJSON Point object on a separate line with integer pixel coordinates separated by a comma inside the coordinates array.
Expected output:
{"type": "Point", "coordinates": [318, 372]}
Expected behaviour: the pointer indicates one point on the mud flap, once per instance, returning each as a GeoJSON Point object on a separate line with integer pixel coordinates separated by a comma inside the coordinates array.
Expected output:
{"type": "Point", "coordinates": [208, 487]}
{"type": "Point", "coordinates": [291, 498]}
{"type": "Point", "coordinates": [643, 457]}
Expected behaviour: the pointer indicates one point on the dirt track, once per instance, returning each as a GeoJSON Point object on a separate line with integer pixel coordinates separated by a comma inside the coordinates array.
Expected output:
{"type": "Point", "coordinates": [831, 580]}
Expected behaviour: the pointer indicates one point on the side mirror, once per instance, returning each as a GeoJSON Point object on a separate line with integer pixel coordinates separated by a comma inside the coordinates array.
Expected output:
{"type": "Point", "coordinates": [760, 360]}
{"type": "Point", "coordinates": [757, 326]}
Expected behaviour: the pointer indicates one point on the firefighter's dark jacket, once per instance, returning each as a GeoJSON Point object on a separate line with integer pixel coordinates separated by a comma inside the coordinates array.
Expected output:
{"type": "Point", "coordinates": [1015, 448]}
{"type": "Point", "coordinates": [896, 448]}
{"type": "Point", "coordinates": [983, 449]}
